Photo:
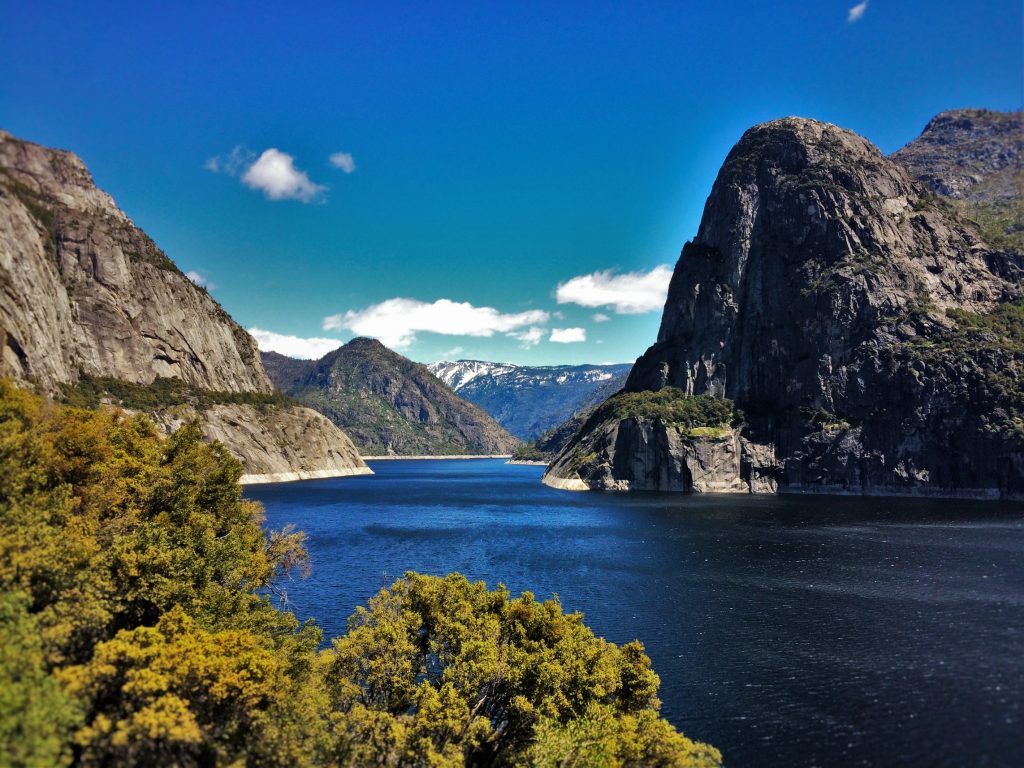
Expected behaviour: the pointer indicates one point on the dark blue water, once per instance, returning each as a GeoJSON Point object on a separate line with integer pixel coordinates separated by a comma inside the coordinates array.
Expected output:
{"type": "Point", "coordinates": [787, 631]}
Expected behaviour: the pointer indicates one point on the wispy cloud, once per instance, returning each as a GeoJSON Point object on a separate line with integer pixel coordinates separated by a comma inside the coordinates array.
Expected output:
{"type": "Point", "coordinates": [529, 338]}
{"type": "Point", "coordinates": [344, 161]}
{"type": "Point", "coordinates": [856, 13]}
{"type": "Point", "coordinates": [293, 346]}
{"type": "Point", "coordinates": [275, 175]}
{"type": "Point", "coordinates": [601, 317]}
{"type": "Point", "coordinates": [568, 335]}
{"type": "Point", "coordinates": [629, 293]}
{"type": "Point", "coordinates": [233, 163]}
{"type": "Point", "coordinates": [397, 321]}
{"type": "Point", "coordinates": [199, 278]}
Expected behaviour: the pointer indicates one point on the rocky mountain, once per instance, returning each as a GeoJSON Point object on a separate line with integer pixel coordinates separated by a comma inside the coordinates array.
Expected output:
{"type": "Point", "coordinates": [529, 400]}
{"type": "Point", "coordinates": [968, 153]}
{"type": "Point", "coordinates": [85, 295]}
{"type": "Point", "coordinates": [387, 403]}
{"type": "Point", "coordinates": [975, 158]}
{"type": "Point", "coordinates": [861, 336]}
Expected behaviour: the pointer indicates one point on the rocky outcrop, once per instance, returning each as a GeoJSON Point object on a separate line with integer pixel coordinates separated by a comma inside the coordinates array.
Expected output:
{"type": "Point", "coordinates": [275, 444]}
{"type": "Point", "coordinates": [974, 158]}
{"type": "Point", "coordinates": [968, 153]}
{"type": "Point", "coordinates": [83, 291]}
{"type": "Point", "coordinates": [867, 336]}
{"type": "Point", "coordinates": [650, 455]}
{"type": "Point", "coordinates": [389, 404]}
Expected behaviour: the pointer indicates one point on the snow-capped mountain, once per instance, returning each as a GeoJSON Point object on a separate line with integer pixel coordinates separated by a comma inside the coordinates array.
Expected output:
{"type": "Point", "coordinates": [528, 400]}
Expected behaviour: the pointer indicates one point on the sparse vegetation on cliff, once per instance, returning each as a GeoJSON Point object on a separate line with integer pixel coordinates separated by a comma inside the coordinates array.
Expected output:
{"type": "Point", "coordinates": [162, 392]}
{"type": "Point", "coordinates": [671, 405]}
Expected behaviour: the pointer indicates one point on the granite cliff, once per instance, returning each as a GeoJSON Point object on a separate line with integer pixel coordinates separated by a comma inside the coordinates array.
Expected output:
{"type": "Point", "coordinates": [389, 404]}
{"type": "Point", "coordinates": [862, 332]}
{"type": "Point", "coordinates": [974, 159]}
{"type": "Point", "coordinates": [85, 295]}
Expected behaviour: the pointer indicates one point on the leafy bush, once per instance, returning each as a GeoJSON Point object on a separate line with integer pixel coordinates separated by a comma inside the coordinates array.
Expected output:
{"type": "Point", "coordinates": [137, 630]}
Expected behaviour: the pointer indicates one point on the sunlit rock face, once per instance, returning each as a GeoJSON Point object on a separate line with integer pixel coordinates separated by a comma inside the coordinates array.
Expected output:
{"type": "Point", "coordinates": [83, 291]}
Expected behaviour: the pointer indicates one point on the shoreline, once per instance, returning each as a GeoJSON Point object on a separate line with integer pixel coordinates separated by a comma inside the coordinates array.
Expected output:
{"type": "Point", "coordinates": [528, 462]}
{"type": "Point", "coordinates": [433, 458]}
{"type": "Point", "coordinates": [302, 474]}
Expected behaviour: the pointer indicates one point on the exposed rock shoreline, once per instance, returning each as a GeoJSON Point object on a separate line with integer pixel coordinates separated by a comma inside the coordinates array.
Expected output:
{"type": "Point", "coordinates": [436, 458]}
{"type": "Point", "coordinates": [290, 477]}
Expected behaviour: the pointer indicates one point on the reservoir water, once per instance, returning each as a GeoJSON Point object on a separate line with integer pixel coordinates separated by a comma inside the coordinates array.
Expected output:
{"type": "Point", "coordinates": [787, 631]}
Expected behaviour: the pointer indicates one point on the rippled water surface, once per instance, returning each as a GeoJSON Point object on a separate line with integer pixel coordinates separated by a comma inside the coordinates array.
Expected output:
{"type": "Point", "coordinates": [787, 631]}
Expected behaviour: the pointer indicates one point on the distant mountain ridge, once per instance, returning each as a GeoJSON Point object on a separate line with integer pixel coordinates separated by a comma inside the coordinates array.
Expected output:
{"type": "Point", "coordinates": [387, 403]}
{"type": "Point", "coordinates": [530, 400]}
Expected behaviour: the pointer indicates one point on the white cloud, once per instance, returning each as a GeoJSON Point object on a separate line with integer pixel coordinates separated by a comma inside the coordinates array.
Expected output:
{"type": "Point", "coordinates": [293, 346]}
{"type": "Point", "coordinates": [629, 293]}
{"type": "Point", "coordinates": [344, 161]}
{"type": "Point", "coordinates": [452, 353]}
{"type": "Point", "coordinates": [531, 337]}
{"type": "Point", "coordinates": [396, 321]}
{"type": "Point", "coordinates": [601, 317]}
{"type": "Point", "coordinates": [856, 13]}
{"type": "Point", "coordinates": [200, 279]}
{"type": "Point", "coordinates": [275, 175]}
{"type": "Point", "coordinates": [568, 335]}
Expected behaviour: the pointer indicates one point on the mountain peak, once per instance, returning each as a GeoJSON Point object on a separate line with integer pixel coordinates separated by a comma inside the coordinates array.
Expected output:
{"type": "Point", "coordinates": [969, 154]}
{"type": "Point", "coordinates": [822, 289]}
{"type": "Point", "coordinates": [389, 404]}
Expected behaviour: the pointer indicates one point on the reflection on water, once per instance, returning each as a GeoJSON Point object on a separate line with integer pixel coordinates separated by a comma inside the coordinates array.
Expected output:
{"type": "Point", "coordinates": [788, 631]}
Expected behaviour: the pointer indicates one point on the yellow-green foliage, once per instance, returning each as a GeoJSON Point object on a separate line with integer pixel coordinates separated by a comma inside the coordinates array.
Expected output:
{"type": "Point", "coordinates": [442, 670]}
{"type": "Point", "coordinates": [136, 631]}
{"type": "Point", "coordinates": [35, 714]}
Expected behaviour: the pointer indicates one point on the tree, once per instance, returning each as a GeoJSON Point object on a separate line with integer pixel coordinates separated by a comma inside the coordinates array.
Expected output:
{"type": "Point", "coordinates": [36, 716]}
{"type": "Point", "coordinates": [441, 671]}
{"type": "Point", "coordinates": [137, 630]}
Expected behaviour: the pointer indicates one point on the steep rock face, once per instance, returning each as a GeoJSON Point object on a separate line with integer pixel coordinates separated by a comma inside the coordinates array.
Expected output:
{"type": "Point", "coordinates": [529, 400]}
{"type": "Point", "coordinates": [84, 291]}
{"type": "Point", "coordinates": [389, 404]}
{"type": "Point", "coordinates": [962, 149]}
{"type": "Point", "coordinates": [275, 444]}
{"type": "Point", "coordinates": [650, 455]}
{"type": "Point", "coordinates": [821, 295]}
{"type": "Point", "coordinates": [975, 159]}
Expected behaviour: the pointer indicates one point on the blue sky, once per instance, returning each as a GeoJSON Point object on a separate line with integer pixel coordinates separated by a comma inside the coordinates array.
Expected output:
{"type": "Point", "coordinates": [484, 154]}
